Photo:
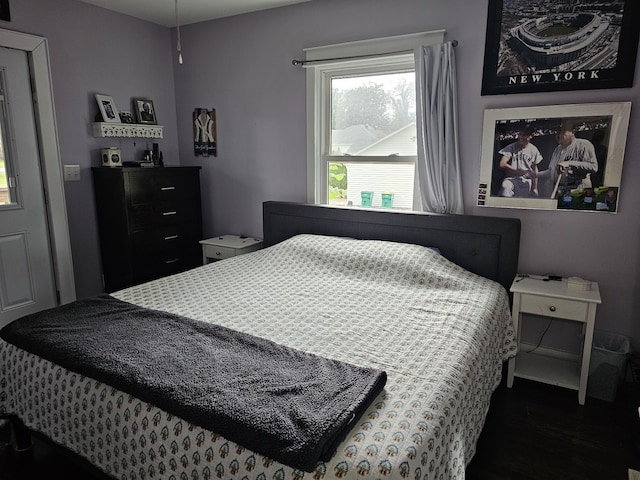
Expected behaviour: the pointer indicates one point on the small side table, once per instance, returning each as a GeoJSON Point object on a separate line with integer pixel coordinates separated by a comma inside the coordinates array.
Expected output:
{"type": "Point", "coordinates": [227, 246]}
{"type": "Point", "coordinates": [555, 299]}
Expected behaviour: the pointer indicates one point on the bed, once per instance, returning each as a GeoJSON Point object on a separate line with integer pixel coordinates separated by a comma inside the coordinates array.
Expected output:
{"type": "Point", "coordinates": [421, 297]}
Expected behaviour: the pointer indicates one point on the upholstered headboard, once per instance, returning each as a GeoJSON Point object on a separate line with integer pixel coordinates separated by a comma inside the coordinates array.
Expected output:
{"type": "Point", "coordinates": [487, 246]}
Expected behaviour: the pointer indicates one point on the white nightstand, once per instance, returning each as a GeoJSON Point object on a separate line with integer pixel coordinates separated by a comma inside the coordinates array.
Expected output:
{"type": "Point", "coordinates": [227, 246]}
{"type": "Point", "coordinates": [556, 299]}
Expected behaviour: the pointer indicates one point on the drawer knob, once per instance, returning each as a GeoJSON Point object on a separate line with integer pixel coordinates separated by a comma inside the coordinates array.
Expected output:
{"type": "Point", "coordinates": [171, 237]}
{"type": "Point", "coordinates": [164, 189]}
{"type": "Point", "coordinates": [173, 260]}
{"type": "Point", "coordinates": [552, 308]}
{"type": "Point", "coordinates": [169, 213]}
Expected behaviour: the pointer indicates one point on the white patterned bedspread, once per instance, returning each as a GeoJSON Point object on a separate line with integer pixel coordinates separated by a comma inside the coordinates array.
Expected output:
{"type": "Point", "coordinates": [440, 332]}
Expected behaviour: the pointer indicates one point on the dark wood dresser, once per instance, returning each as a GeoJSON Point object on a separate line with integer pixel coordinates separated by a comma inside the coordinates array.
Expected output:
{"type": "Point", "coordinates": [149, 222]}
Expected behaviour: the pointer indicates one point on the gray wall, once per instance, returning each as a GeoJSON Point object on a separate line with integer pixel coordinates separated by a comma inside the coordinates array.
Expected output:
{"type": "Point", "coordinates": [241, 66]}
{"type": "Point", "coordinates": [91, 51]}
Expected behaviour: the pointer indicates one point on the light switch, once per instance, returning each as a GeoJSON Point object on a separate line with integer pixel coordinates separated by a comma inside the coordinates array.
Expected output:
{"type": "Point", "coordinates": [72, 173]}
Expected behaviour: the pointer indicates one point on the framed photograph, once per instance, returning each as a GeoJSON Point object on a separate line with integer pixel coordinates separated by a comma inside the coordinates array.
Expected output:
{"type": "Point", "coordinates": [145, 111]}
{"type": "Point", "coordinates": [108, 109]}
{"type": "Point", "coordinates": [558, 157]}
{"type": "Point", "coordinates": [532, 47]}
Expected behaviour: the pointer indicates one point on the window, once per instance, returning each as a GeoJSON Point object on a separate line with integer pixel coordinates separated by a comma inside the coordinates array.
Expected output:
{"type": "Point", "coordinates": [7, 187]}
{"type": "Point", "coordinates": [368, 132]}
{"type": "Point", "coordinates": [4, 179]}
{"type": "Point", "coordinates": [363, 123]}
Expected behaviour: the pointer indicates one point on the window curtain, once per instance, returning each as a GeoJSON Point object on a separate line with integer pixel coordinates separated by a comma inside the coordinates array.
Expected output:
{"type": "Point", "coordinates": [437, 122]}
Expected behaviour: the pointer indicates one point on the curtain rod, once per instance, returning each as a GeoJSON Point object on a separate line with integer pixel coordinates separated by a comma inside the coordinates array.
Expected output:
{"type": "Point", "coordinates": [307, 62]}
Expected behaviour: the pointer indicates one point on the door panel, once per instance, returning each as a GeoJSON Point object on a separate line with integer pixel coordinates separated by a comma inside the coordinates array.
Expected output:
{"type": "Point", "coordinates": [15, 290]}
{"type": "Point", "coordinates": [27, 281]}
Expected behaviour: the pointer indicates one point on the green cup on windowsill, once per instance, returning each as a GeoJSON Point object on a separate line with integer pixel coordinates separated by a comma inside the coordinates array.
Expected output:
{"type": "Point", "coordinates": [366, 198]}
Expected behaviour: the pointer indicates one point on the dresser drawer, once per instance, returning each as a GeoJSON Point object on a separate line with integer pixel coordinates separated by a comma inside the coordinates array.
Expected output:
{"type": "Point", "coordinates": [553, 307]}
{"type": "Point", "coordinates": [171, 258]}
{"type": "Point", "coordinates": [150, 267]}
{"type": "Point", "coordinates": [163, 213]}
{"type": "Point", "coordinates": [162, 187]}
{"type": "Point", "coordinates": [172, 237]}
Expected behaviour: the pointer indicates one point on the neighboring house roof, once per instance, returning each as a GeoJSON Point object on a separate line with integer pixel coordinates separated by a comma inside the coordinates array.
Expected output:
{"type": "Point", "coordinates": [394, 178]}
{"type": "Point", "coordinates": [400, 142]}
{"type": "Point", "coordinates": [354, 138]}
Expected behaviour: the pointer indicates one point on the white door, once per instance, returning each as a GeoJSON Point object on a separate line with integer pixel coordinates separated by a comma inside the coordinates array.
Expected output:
{"type": "Point", "coordinates": [27, 282]}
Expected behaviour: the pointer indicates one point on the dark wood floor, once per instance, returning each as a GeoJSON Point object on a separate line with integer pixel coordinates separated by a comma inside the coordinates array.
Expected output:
{"type": "Point", "coordinates": [533, 432]}
{"type": "Point", "coordinates": [43, 462]}
{"type": "Point", "coordinates": [536, 431]}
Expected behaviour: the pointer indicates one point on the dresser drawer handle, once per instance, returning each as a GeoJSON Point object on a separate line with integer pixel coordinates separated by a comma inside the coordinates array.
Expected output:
{"type": "Point", "coordinates": [552, 308]}
{"type": "Point", "coordinates": [171, 237]}
{"type": "Point", "coordinates": [173, 260]}
{"type": "Point", "coordinates": [164, 189]}
{"type": "Point", "coordinates": [165, 214]}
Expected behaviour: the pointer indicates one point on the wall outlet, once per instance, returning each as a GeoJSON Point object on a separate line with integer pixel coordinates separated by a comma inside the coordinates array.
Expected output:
{"type": "Point", "coordinates": [72, 173]}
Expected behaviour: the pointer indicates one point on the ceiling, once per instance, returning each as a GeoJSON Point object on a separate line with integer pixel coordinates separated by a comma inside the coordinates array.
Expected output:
{"type": "Point", "coordinates": [163, 12]}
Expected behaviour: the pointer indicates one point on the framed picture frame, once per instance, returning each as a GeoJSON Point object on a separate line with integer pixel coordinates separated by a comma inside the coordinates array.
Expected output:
{"type": "Point", "coordinates": [205, 132]}
{"type": "Point", "coordinates": [145, 111]}
{"type": "Point", "coordinates": [107, 108]}
{"type": "Point", "coordinates": [558, 157]}
{"type": "Point", "coordinates": [574, 46]}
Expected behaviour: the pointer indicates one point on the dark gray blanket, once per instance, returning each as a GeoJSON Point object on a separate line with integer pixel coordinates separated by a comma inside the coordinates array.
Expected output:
{"type": "Point", "coordinates": [290, 406]}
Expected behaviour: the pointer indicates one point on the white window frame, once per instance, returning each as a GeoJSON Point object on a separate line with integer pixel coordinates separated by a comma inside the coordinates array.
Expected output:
{"type": "Point", "coordinates": [375, 56]}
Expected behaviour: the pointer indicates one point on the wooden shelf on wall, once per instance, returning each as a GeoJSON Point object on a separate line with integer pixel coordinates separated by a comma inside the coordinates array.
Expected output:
{"type": "Point", "coordinates": [126, 130]}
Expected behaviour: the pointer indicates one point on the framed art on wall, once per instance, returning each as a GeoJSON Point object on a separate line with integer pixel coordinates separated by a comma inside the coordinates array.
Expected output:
{"type": "Point", "coordinates": [107, 108]}
{"type": "Point", "coordinates": [558, 157]}
{"type": "Point", "coordinates": [533, 47]}
{"type": "Point", "coordinates": [145, 111]}
{"type": "Point", "coordinates": [205, 132]}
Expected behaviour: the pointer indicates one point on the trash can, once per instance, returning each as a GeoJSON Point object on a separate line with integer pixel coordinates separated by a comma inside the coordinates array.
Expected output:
{"type": "Point", "coordinates": [609, 355]}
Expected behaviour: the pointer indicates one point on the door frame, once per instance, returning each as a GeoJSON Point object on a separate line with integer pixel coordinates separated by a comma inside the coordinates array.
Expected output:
{"type": "Point", "coordinates": [47, 136]}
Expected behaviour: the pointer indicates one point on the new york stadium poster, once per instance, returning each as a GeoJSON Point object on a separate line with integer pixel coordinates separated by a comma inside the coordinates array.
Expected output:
{"type": "Point", "coordinates": [542, 46]}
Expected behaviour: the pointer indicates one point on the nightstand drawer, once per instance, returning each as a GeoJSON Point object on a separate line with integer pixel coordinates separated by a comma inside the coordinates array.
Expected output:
{"type": "Point", "coordinates": [217, 252]}
{"type": "Point", "coordinates": [553, 307]}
